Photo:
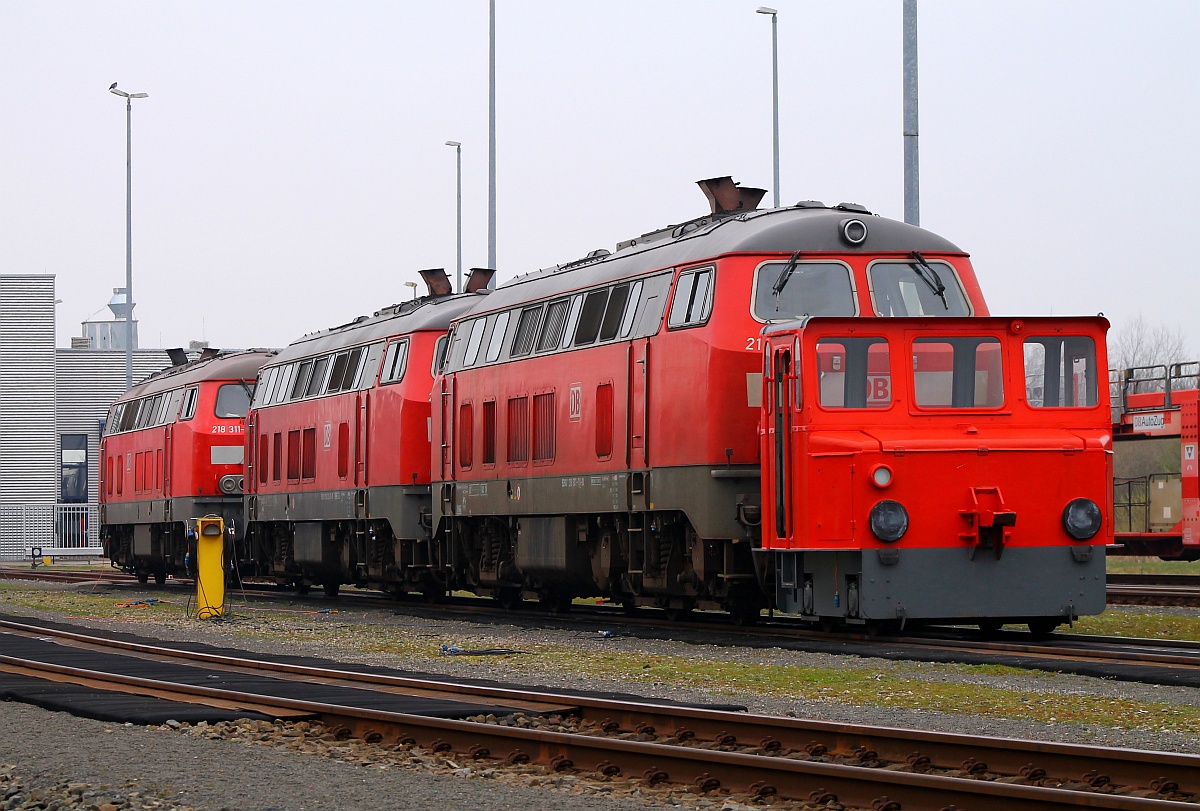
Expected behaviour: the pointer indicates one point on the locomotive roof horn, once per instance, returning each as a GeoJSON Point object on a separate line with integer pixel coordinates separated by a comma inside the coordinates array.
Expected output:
{"type": "Point", "coordinates": [437, 281]}
{"type": "Point", "coordinates": [479, 278]}
{"type": "Point", "coordinates": [724, 195]}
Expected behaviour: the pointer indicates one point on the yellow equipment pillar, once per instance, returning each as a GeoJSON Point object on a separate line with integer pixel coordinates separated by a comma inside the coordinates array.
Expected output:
{"type": "Point", "coordinates": [210, 569]}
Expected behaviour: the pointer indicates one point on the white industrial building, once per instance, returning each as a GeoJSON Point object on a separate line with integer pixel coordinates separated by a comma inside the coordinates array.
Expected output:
{"type": "Point", "coordinates": [53, 402]}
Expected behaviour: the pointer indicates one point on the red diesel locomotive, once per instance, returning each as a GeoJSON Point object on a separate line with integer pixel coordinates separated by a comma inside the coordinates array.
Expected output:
{"type": "Point", "coordinates": [173, 451]}
{"type": "Point", "coordinates": [337, 476]}
{"type": "Point", "coordinates": [595, 430]}
{"type": "Point", "coordinates": [949, 469]}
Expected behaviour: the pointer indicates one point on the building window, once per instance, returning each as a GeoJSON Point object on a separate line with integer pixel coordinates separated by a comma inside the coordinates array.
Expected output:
{"type": "Point", "coordinates": [73, 476]}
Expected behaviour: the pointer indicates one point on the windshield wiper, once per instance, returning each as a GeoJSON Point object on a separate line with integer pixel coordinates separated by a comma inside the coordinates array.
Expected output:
{"type": "Point", "coordinates": [784, 276]}
{"type": "Point", "coordinates": [930, 277]}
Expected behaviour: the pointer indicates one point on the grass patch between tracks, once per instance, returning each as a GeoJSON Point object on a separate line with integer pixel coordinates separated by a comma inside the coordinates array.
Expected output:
{"type": "Point", "coordinates": [989, 691]}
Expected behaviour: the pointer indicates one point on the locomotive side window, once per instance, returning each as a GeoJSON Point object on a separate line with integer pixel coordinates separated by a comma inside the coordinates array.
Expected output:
{"type": "Point", "coordinates": [1060, 372]}
{"type": "Point", "coordinates": [189, 404]}
{"type": "Point", "coordinates": [266, 386]}
{"type": "Point", "coordinates": [854, 372]}
{"type": "Point", "coordinates": [615, 312]}
{"type": "Point", "coordinates": [693, 299]}
{"type": "Point", "coordinates": [793, 289]}
{"type": "Point", "coordinates": [572, 322]}
{"type": "Point", "coordinates": [635, 294]}
{"type": "Point", "coordinates": [958, 372]}
{"type": "Point", "coordinates": [276, 456]}
{"type": "Point", "coordinates": [552, 329]}
{"type": "Point", "coordinates": [293, 456]}
{"type": "Point", "coordinates": [368, 370]}
{"type": "Point", "coordinates": [233, 400]}
{"type": "Point", "coordinates": [474, 342]}
{"type": "Point", "coordinates": [526, 331]}
{"type": "Point", "coordinates": [589, 319]}
{"type": "Point", "coordinates": [902, 289]}
{"type": "Point", "coordinates": [439, 354]}
{"type": "Point", "coordinates": [317, 383]}
{"type": "Point", "coordinates": [337, 372]}
{"type": "Point", "coordinates": [394, 362]}
{"type": "Point", "coordinates": [285, 383]}
{"type": "Point", "coordinates": [497, 340]}
{"type": "Point", "coordinates": [300, 380]}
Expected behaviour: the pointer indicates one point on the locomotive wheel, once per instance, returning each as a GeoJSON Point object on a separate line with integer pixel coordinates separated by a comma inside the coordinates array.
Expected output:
{"type": "Point", "coordinates": [160, 577]}
{"type": "Point", "coordinates": [331, 589]}
{"type": "Point", "coordinates": [1043, 627]}
{"type": "Point", "coordinates": [142, 576]}
{"type": "Point", "coordinates": [302, 589]}
{"type": "Point", "coordinates": [991, 626]}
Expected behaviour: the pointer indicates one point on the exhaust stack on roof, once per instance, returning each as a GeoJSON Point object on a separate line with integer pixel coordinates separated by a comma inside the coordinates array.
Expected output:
{"type": "Point", "coordinates": [437, 281]}
{"type": "Point", "coordinates": [479, 279]}
{"type": "Point", "coordinates": [725, 196]}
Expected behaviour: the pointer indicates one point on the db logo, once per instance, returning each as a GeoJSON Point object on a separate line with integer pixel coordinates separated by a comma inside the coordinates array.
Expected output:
{"type": "Point", "coordinates": [576, 401]}
{"type": "Point", "coordinates": [879, 389]}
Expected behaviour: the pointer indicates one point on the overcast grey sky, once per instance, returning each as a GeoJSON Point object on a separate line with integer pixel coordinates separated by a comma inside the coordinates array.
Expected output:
{"type": "Point", "coordinates": [290, 172]}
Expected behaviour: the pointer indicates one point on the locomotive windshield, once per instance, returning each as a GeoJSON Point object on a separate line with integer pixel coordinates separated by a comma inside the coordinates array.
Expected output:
{"type": "Point", "coordinates": [789, 290]}
{"type": "Point", "coordinates": [916, 288]}
{"type": "Point", "coordinates": [233, 401]}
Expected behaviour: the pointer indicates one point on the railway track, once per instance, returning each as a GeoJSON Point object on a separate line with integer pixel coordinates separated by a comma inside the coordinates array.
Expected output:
{"type": "Point", "coordinates": [1155, 589]}
{"type": "Point", "coordinates": [856, 766]}
{"type": "Point", "coordinates": [1125, 658]}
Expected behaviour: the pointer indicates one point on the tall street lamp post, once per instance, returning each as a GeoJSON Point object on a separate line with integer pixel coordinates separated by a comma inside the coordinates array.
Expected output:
{"type": "Point", "coordinates": [129, 97]}
{"type": "Point", "coordinates": [774, 87]}
{"type": "Point", "coordinates": [458, 151]}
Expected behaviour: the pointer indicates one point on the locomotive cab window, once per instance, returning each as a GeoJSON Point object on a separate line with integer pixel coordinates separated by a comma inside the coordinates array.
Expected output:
{"type": "Point", "coordinates": [394, 362]}
{"type": "Point", "coordinates": [785, 290]}
{"type": "Point", "coordinates": [1060, 371]}
{"type": "Point", "coordinates": [854, 372]}
{"type": "Point", "coordinates": [233, 401]}
{"type": "Point", "coordinates": [958, 372]}
{"type": "Point", "coordinates": [900, 289]}
{"type": "Point", "coordinates": [693, 299]}
{"type": "Point", "coordinates": [189, 404]}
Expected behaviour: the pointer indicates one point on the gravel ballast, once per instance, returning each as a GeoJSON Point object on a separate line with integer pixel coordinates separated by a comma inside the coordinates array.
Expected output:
{"type": "Point", "coordinates": [83, 764]}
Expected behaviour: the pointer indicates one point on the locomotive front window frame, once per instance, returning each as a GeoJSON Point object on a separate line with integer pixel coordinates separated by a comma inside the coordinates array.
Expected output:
{"type": "Point", "coordinates": [912, 290]}
{"type": "Point", "coordinates": [767, 274]}
{"type": "Point", "coordinates": [694, 287]}
{"type": "Point", "coordinates": [1045, 384]}
{"type": "Point", "coordinates": [969, 378]}
{"type": "Point", "coordinates": [858, 378]}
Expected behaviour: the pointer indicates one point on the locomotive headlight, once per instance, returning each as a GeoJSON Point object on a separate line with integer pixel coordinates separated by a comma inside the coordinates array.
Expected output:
{"type": "Point", "coordinates": [881, 476]}
{"type": "Point", "coordinates": [1081, 519]}
{"type": "Point", "coordinates": [230, 485]}
{"type": "Point", "coordinates": [889, 521]}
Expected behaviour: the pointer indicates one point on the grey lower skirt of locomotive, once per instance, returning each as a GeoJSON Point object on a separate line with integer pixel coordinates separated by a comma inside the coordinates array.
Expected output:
{"type": "Point", "coordinates": [156, 539]}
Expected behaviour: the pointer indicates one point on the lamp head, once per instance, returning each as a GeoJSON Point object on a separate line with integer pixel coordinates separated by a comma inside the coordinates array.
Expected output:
{"type": "Point", "coordinates": [765, 10]}
{"type": "Point", "coordinates": [454, 144]}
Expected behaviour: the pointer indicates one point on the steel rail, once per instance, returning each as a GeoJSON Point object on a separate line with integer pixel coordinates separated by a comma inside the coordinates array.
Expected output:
{"type": "Point", "coordinates": [1011, 757]}
{"type": "Point", "coordinates": [706, 769]}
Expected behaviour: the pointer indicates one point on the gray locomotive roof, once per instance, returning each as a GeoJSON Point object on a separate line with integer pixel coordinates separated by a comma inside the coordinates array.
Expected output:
{"type": "Point", "coordinates": [802, 228]}
{"type": "Point", "coordinates": [242, 365]}
{"type": "Point", "coordinates": [426, 313]}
